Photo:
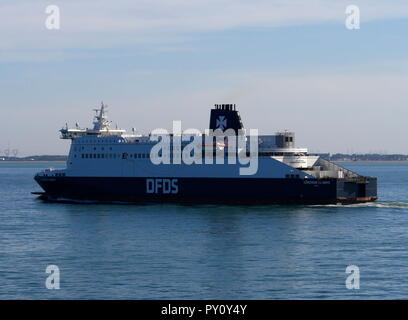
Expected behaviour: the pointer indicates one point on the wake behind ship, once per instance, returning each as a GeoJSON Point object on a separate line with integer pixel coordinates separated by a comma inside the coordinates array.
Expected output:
{"type": "Point", "coordinates": [108, 165]}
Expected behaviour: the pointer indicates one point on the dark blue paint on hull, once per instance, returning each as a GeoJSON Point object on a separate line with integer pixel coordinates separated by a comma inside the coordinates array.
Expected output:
{"type": "Point", "coordinates": [208, 190]}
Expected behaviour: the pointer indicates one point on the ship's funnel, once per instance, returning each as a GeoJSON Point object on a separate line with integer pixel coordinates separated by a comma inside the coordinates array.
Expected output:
{"type": "Point", "coordinates": [224, 117]}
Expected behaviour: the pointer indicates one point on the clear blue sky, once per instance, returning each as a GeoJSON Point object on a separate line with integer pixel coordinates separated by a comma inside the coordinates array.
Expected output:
{"type": "Point", "coordinates": [286, 64]}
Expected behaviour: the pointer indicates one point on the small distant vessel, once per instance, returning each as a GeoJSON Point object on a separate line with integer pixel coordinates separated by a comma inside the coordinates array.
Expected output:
{"type": "Point", "coordinates": [108, 165]}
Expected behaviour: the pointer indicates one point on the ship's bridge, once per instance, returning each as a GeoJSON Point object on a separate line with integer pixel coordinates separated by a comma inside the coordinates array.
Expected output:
{"type": "Point", "coordinates": [101, 127]}
{"type": "Point", "coordinates": [281, 147]}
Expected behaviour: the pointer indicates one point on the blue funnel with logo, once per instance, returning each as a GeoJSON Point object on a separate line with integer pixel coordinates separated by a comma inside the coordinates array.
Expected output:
{"type": "Point", "coordinates": [224, 117]}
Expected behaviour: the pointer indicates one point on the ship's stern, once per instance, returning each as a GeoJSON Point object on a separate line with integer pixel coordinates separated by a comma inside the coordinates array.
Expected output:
{"type": "Point", "coordinates": [357, 190]}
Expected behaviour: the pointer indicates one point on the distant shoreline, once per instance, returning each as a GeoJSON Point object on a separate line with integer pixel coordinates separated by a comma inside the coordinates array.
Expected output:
{"type": "Point", "coordinates": [379, 160]}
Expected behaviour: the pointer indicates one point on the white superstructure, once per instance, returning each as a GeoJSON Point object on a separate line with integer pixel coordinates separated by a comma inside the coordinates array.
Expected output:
{"type": "Point", "coordinates": [102, 151]}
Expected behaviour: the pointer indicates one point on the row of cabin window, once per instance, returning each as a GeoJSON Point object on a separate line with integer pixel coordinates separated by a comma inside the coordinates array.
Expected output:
{"type": "Point", "coordinates": [126, 155]}
{"type": "Point", "coordinates": [114, 156]}
{"type": "Point", "coordinates": [96, 140]}
{"type": "Point", "coordinates": [83, 148]}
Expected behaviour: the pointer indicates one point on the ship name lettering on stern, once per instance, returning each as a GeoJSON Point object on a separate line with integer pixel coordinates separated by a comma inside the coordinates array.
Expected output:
{"type": "Point", "coordinates": [162, 186]}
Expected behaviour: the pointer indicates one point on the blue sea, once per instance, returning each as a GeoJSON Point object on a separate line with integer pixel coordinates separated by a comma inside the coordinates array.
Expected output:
{"type": "Point", "coordinates": [205, 251]}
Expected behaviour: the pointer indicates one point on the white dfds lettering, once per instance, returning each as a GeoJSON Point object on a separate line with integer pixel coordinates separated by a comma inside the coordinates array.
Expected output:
{"type": "Point", "coordinates": [164, 186]}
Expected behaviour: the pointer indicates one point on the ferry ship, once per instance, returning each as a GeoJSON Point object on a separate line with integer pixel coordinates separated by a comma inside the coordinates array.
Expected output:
{"type": "Point", "coordinates": [108, 165]}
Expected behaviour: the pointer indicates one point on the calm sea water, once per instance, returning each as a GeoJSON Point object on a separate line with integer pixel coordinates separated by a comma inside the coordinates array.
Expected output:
{"type": "Point", "coordinates": [203, 252]}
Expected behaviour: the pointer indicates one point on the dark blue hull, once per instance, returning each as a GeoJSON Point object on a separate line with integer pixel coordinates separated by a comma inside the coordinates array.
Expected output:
{"type": "Point", "coordinates": [208, 190]}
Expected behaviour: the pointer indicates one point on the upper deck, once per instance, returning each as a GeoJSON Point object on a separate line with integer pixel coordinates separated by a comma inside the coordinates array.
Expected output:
{"type": "Point", "coordinates": [101, 127]}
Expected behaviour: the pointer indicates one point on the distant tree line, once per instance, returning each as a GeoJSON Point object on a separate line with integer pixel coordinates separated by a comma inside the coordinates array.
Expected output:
{"type": "Point", "coordinates": [364, 157]}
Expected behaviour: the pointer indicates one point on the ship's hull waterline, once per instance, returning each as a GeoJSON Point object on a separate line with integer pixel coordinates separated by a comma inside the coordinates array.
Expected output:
{"type": "Point", "coordinates": [253, 191]}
